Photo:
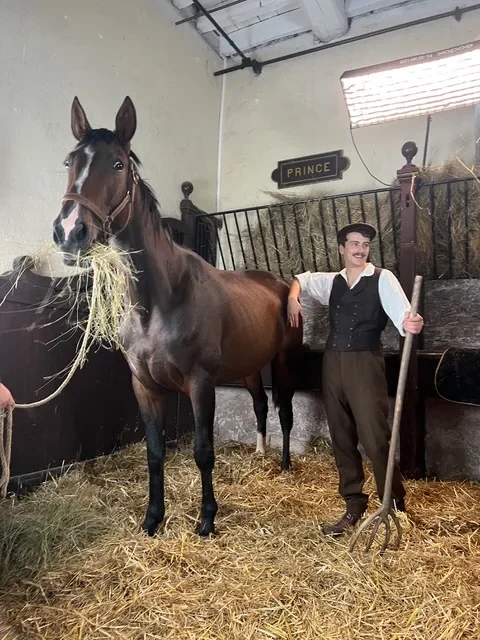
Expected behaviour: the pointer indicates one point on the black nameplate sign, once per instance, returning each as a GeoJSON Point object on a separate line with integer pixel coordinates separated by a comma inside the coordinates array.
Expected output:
{"type": "Point", "coordinates": [309, 169]}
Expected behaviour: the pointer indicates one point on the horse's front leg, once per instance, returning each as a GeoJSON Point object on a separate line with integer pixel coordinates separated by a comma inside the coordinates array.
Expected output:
{"type": "Point", "coordinates": [153, 410]}
{"type": "Point", "coordinates": [202, 395]}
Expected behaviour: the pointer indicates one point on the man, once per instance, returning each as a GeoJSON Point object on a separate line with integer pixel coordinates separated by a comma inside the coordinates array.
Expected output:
{"type": "Point", "coordinates": [360, 298]}
{"type": "Point", "coordinates": [6, 400]}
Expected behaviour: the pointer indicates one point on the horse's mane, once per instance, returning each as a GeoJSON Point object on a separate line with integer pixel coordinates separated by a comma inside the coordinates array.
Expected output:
{"type": "Point", "coordinates": [152, 207]}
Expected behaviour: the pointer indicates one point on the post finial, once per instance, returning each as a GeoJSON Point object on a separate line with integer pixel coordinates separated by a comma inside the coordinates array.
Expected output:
{"type": "Point", "coordinates": [409, 151]}
{"type": "Point", "coordinates": [187, 189]}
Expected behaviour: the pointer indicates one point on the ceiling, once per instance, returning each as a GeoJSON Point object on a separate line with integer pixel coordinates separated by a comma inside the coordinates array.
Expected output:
{"type": "Point", "coordinates": [255, 25]}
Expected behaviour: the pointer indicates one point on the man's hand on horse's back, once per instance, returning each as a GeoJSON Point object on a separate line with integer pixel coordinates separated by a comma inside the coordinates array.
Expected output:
{"type": "Point", "coordinates": [6, 399]}
{"type": "Point", "coordinates": [294, 311]}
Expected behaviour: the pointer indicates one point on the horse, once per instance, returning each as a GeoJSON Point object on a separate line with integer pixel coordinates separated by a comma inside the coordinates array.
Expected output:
{"type": "Point", "coordinates": [193, 326]}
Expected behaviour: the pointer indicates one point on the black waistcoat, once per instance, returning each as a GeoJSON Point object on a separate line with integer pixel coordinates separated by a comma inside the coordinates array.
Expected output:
{"type": "Point", "coordinates": [357, 318]}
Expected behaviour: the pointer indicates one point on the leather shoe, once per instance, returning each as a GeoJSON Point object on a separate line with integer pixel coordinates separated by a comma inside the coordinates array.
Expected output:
{"type": "Point", "coordinates": [347, 521]}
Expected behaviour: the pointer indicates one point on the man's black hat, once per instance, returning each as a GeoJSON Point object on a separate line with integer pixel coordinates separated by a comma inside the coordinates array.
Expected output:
{"type": "Point", "coordinates": [357, 227]}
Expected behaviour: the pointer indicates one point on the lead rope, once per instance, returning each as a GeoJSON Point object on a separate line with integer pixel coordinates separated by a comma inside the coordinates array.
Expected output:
{"type": "Point", "coordinates": [6, 419]}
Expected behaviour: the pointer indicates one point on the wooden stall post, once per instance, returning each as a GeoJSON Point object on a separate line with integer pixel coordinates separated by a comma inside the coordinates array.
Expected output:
{"type": "Point", "coordinates": [412, 429]}
{"type": "Point", "coordinates": [201, 233]}
{"type": "Point", "coordinates": [188, 211]}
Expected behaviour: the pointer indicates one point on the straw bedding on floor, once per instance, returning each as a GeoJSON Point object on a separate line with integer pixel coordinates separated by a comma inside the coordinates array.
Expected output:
{"type": "Point", "coordinates": [74, 564]}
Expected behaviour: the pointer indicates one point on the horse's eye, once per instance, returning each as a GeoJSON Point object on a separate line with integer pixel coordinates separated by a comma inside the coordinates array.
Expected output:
{"type": "Point", "coordinates": [66, 164]}
{"type": "Point", "coordinates": [118, 166]}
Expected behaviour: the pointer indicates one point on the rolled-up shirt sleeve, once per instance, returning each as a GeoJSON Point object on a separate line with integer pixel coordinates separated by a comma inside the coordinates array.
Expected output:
{"type": "Point", "coordinates": [393, 299]}
{"type": "Point", "coordinates": [317, 285]}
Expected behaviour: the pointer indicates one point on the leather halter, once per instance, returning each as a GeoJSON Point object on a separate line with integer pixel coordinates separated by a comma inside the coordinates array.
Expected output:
{"type": "Point", "coordinates": [107, 218]}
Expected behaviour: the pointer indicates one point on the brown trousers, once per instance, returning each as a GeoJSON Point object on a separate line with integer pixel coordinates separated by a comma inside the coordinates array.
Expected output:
{"type": "Point", "coordinates": [356, 400]}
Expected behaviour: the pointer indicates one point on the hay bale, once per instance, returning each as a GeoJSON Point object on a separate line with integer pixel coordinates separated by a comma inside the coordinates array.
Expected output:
{"type": "Point", "coordinates": [291, 229]}
{"type": "Point", "coordinates": [269, 573]}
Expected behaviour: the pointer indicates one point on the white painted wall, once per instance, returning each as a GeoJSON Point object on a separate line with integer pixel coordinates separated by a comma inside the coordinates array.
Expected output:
{"type": "Point", "coordinates": [100, 51]}
{"type": "Point", "coordinates": [297, 108]}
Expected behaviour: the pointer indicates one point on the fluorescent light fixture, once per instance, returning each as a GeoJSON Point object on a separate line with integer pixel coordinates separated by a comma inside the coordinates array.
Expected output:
{"type": "Point", "coordinates": [413, 86]}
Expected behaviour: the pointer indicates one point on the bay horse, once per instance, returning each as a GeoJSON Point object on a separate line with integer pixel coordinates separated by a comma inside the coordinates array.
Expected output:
{"type": "Point", "coordinates": [194, 326]}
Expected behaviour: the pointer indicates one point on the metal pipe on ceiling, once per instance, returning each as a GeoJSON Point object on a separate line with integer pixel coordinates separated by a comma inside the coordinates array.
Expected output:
{"type": "Point", "coordinates": [246, 61]}
{"type": "Point", "coordinates": [455, 13]}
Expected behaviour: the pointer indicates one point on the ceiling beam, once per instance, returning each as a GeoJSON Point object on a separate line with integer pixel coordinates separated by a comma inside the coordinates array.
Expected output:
{"type": "Point", "coordinates": [261, 33]}
{"type": "Point", "coordinates": [181, 4]}
{"type": "Point", "coordinates": [327, 17]}
{"type": "Point", "coordinates": [242, 13]}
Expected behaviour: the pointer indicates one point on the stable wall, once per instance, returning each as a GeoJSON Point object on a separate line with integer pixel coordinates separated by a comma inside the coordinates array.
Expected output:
{"type": "Point", "coordinates": [100, 51]}
{"type": "Point", "coordinates": [296, 108]}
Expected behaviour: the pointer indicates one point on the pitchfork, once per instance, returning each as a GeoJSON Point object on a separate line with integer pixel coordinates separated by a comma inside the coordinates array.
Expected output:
{"type": "Point", "coordinates": [386, 511]}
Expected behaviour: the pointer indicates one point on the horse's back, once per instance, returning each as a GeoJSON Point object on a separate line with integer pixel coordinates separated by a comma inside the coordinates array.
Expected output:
{"type": "Point", "coordinates": [256, 281]}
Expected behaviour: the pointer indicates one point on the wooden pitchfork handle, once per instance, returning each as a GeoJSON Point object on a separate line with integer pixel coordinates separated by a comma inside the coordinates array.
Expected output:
{"type": "Point", "coordinates": [381, 516]}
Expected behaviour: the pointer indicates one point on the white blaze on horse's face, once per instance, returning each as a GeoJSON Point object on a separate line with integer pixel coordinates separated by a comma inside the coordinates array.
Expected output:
{"type": "Point", "coordinates": [68, 223]}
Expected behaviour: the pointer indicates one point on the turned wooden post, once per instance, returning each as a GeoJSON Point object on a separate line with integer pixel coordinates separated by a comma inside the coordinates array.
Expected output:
{"type": "Point", "coordinates": [412, 429]}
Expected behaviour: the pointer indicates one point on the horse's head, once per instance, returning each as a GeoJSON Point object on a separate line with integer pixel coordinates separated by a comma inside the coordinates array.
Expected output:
{"type": "Point", "coordinates": [101, 177]}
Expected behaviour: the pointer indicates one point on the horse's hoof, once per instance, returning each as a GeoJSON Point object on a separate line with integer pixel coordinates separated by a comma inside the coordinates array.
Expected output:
{"type": "Point", "coordinates": [286, 467]}
{"type": "Point", "coordinates": [150, 526]}
{"type": "Point", "coordinates": [261, 449]}
{"type": "Point", "coordinates": [206, 528]}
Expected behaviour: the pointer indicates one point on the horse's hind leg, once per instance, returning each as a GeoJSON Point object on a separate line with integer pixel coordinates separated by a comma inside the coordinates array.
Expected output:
{"type": "Point", "coordinates": [202, 395]}
{"type": "Point", "coordinates": [283, 389]}
{"type": "Point", "coordinates": [254, 385]}
{"type": "Point", "coordinates": [152, 408]}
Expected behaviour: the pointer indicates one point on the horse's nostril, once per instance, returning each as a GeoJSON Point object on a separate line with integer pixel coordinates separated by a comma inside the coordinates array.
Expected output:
{"type": "Point", "coordinates": [80, 232]}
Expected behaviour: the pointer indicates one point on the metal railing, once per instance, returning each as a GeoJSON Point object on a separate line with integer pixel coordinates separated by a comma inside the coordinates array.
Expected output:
{"type": "Point", "coordinates": [448, 229]}
{"type": "Point", "coordinates": [292, 237]}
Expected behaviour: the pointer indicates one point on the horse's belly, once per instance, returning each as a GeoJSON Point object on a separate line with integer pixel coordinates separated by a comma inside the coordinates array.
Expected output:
{"type": "Point", "coordinates": [247, 355]}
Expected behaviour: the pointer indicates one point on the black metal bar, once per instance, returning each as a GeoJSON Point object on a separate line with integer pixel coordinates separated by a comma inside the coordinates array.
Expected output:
{"type": "Point", "coordinates": [300, 249]}
{"type": "Point", "coordinates": [335, 221]}
{"type": "Point", "coordinates": [335, 218]}
{"type": "Point", "coordinates": [324, 231]}
{"type": "Point", "coordinates": [274, 236]}
{"type": "Point", "coordinates": [349, 213]}
{"type": "Point", "coordinates": [229, 243]}
{"type": "Point", "coordinates": [213, 255]}
{"type": "Point", "coordinates": [251, 240]}
{"type": "Point", "coordinates": [287, 241]}
{"type": "Point", "coordinates": [220, 247]}
{"type": "Point", "coordinates": [240, 240]}
{"type": "Point", "coordinates": [398, 27]}
{"type": "Point", "coordinates": [314, 253]}
{"type": "Point", "coordinates": [379, 227]}
{"type": "Point", "coordinates": [467, 237]}
{"type": "Point", "coordinates": [362, 208]}
{"type": "Point", "coordinates": [392, 216]}
{"type": "Point", "coordinates": [434, 239]}
{"type": "Point", "coordinates": [263, 240]}
{"type": "Point", "coordinates": [246, 61]}
{"type": "Point", "coordinates": [227, 5]}
{"type": "Point", "coordinates": [427, 135]}
{"type": "Point", "coordinates": [450, 248]}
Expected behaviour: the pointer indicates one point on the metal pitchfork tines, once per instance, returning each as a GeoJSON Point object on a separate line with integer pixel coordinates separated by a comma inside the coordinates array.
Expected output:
{"type": "Point", "coordinates": [386, 511]}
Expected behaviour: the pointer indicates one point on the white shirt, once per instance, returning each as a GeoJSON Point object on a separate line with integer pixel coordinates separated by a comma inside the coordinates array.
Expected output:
{"type": "Point", "coordinates": [392, 297]}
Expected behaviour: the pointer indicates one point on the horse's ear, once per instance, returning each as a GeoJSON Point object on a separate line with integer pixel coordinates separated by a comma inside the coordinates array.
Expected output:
{"type": "Point", "coordinates": [80, 124]}
{"type": "Point", "coordinates": [126, 121]}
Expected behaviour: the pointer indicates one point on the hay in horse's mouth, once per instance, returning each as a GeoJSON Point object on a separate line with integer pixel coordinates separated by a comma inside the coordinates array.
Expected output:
{"type": "Point", "coordinates": [107, 300]}
{"type": "Point", "coordinates": [74, 564]}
